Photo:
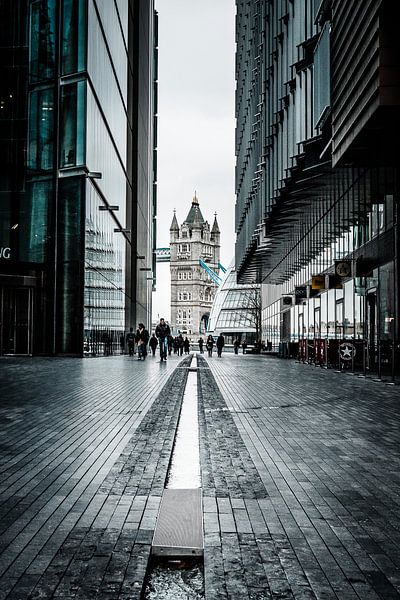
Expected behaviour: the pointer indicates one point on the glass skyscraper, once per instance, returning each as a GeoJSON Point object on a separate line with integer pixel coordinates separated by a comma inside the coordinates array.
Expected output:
{"type": "Point", "coordinates": [317, 177]}
{"type": "Point", "coordinates": [78, 171]}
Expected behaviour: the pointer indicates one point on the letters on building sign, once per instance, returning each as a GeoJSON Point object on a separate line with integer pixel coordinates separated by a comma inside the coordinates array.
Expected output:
{"type": "Point", "coordinates": [300, 294]}
{"type": "Point", "coordinates": [5, 253]}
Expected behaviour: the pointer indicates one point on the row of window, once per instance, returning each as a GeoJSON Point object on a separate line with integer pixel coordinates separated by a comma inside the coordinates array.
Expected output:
{"type": "Point", "coordinates": [184, 295]}
{"type": "Point", "coordinates": [185, 275]}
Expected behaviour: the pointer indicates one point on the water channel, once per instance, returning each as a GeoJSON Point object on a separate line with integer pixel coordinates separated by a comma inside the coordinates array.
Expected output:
{"type": "Point", "coordinates": [181, 578]}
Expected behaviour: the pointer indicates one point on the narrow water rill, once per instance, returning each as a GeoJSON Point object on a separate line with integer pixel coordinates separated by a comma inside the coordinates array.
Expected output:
{"type": "Point", "coordinates": [176, 569]}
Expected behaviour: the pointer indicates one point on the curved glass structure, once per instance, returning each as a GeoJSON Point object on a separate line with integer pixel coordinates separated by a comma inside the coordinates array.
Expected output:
{"type": "Point", "coordinates": [234, 309]}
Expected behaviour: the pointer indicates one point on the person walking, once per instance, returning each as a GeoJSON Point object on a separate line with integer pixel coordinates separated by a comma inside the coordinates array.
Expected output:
{"type": "Point", "coordinates": [153, 343]}
{"type": "Point", "coordinates": [130, 340]}
{"type": "Point", "coordinates": [141, 338]}
{"type": "Point", "coordinates": [210, 344]}
{"type": "Point", "coordinates": [162, 332]}
{"type": "Point", "coordinates": [244, 346]}
{"type": "Point", "coordinates": [180, 344]}
{"type": "Point", "coordinates": [236, 345]}
{"type": "Point", "coordinates": [220, 344]}
{"type": "Point", "coordinates": [170, 343]}
{"type": "Point", "coordinates": [200, 342]}
{"type": "Point", "coordinates": [186, 345]}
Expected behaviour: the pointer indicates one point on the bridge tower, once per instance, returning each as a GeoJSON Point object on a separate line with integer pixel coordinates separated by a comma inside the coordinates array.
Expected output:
{"type": "Point", "coordinates": [192, 289]}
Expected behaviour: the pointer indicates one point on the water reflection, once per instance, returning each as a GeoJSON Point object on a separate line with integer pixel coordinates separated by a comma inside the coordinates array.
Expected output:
{"type": "Point", "coordinates": [184, 471]}
{"type": "Point", "coordinates": [175, 580]}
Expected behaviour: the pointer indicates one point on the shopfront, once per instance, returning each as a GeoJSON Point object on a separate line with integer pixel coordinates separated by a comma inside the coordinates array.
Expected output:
{"type": "Point", "coordinates": [341, 309]}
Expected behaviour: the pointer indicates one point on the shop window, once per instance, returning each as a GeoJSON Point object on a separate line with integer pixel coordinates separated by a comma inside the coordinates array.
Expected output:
{"type": "Point", "coordinates": [72, 125]}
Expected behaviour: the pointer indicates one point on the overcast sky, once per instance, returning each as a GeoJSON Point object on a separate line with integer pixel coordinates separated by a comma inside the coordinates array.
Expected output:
{"type": "Point", "coordinates": [196, 122]}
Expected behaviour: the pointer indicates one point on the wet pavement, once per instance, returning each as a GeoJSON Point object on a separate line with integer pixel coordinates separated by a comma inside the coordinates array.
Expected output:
{"type": "Point", "coordinates": [300, 477]}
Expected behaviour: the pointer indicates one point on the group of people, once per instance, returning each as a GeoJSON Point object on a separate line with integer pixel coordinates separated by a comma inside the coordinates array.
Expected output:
{"type": "Point", "coordinates": [220, 343]}
{"type": "Point", "coordinates": [142, 337]}
{"type": "Point", "coordinates": [162, 337]}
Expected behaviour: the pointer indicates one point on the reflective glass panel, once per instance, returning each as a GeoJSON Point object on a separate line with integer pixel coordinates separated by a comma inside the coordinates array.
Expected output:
{"type": "Point", "coordinates": [42, 30]}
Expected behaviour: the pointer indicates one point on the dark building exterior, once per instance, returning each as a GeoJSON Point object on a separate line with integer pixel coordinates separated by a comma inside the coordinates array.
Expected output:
{"type": "Point", "coordinates": [318, 107]}
{"type": "Point", "coordinates": [77, 171]}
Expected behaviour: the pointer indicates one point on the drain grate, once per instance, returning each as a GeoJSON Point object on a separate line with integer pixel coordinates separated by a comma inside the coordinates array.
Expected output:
{"type": "Point", "coordinates": [179, 528]}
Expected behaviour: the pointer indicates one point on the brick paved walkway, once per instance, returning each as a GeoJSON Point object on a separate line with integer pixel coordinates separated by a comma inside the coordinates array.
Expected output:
{"type": "Point", "coordinates": [327, 448]}
{"type": "Point", "coordinates": [65, 530]}
{"type": "Point", "coordinates": [300, 471]}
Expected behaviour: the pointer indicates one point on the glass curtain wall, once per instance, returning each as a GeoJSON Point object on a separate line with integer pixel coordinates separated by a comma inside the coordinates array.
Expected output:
{"type": "Point", "coordinates": [351, 325]}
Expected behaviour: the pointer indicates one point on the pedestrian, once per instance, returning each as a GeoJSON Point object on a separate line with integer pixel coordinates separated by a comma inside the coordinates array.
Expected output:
{"type": "Point", "coordinates": [220, 344]}
{"type": "Point", "coordinates": [244, 346]}
{"type": "Point", "coordinates": [153, 343]}
{"type": "Point", "coordinates": [170, 343]}
{"type": "Point", "coordinates": [180, 344]}
{"type": "Point", "coordinates": [186, 345]}
{"type": "Point", "coordinates": [122, 343]}
{"type": "Point", "coordinates": [176, 344]}
{"type": "Point", "coordinates": [236, 345]}
{"type": "Point", "coordinates": [210, 344]}
{"type": "Point", "coordinates": [162, 332]}
{"type": "Point", "coordinates": [130, 340]}
{"type": "Point", "coordinates": [142, 338]}
{"type": "Point", "coordinates": [200, 342]}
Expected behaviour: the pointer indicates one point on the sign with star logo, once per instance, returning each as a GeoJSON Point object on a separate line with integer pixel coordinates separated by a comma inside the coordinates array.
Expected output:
{"type": "Point", "coordinates": [347, 351]}
{"type": "Point", "coordinates": [343, 268]}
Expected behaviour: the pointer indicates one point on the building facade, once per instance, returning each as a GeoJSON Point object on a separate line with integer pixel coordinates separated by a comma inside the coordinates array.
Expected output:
{"type": "Point", "coordinates": [318, 104]}
{"type": "Point", "coordinates": [195, 256]}
{"type": "Point", "coordinates": [77, 120]}
{"type": "Point", "coordinates": [236, 310]}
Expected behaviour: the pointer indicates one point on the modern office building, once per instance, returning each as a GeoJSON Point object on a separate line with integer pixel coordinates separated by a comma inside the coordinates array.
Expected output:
{"type": "Point", "coordinates": [236, 310]}
{"type": "Point", "coordinates": [77, 171]}
{"type": "Point", "coordinates": [194, 266]}
{"type": "Point", "coordinates": [317, 177]}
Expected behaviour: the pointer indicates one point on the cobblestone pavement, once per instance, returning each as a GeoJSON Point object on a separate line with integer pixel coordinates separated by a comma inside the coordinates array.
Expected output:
{"type": "Point", "coordinates": [327, 449]}
{"type": "Point", "coordinates": [300, 472]}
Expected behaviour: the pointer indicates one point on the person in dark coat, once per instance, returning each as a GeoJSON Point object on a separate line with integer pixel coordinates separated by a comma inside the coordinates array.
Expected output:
{"type": "Point", "coordinates": [180, 344]}
{"type": "Point", "coordinates": [220, 344]}
{"type": "Point", "coordinates": [170, 343]}
{"type": "Point", "coordinates": [200, 342]}
{"type": "Point", "coordinates": [153, 343]}
{"type": "Point", "coordinates": [130, 340]}
{"type": "Point", "coordinates": [142, 338]}
{"type": "Point", "coordinates": [162, 332]}
{"type": "Point", "coordinates": [186, 345]}
{"type": "Point", "coordinates": [244, 346]}
{"type": "Point", "coordinates": [210, 344]}
{"type": "Point", "coordinates": [236, 345]}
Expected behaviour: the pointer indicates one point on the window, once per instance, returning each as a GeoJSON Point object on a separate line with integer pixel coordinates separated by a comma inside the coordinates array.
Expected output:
{"type": "Point", "coordinates": [73, 50]}
{"type": "Point", "coordinates": [72, 126]}
{"type": "Point", "coordinates": [42, 48]}
{"type": "Point", "coordinates": [41, 130]}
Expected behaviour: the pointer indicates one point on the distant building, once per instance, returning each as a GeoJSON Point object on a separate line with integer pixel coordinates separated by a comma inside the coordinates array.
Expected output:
{"type": "Point", "coordinates": [192, 288]}
{"type": "Point", "coordinates": [235, 310]}
{"type": "Point", "coordinates": [77, 172]}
